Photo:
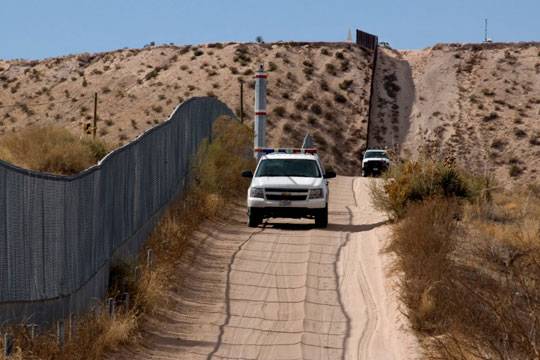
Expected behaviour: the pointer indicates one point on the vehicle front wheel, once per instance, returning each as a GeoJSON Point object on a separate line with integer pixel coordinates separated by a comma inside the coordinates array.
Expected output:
{"type": "Point", "coordinates": [254, 218]}
{"type": "Point", "coordinates": [321, 218]}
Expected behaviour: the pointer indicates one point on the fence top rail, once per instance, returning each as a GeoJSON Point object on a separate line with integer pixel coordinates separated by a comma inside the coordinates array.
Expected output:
{"type": "Point", "coordinates": [100, 164]}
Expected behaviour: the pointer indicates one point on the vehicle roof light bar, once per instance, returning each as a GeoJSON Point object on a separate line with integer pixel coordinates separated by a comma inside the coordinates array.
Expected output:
{"type": "Point", "coordinates": [286, 150]}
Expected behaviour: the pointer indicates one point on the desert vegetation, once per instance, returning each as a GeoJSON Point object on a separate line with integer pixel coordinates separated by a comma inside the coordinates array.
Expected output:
{"type": "Point", "coordinates": [52, 150]}
{"type": "Point", "coordinates": [215, 185]}
{"type": "Point", "coordinates": [469, 255]}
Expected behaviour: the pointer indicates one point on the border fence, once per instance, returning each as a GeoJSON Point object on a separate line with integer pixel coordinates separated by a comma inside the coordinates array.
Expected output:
{"type": "Point", "coordinates": [370, 42]}
{"type": "Point", "coordinates": [59, 234]}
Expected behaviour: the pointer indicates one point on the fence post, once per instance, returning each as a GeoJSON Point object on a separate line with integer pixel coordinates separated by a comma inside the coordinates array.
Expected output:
{"type": "Point", "coordinates": [71, 326]}
{"type": "Point", "coordinates": [149, 258]}
{"type": "Point", "coordinates": [32, 328]}
{"type": "Point", "coordinates": [137, 273]}
{"type": "Point", "coordinates": [94, 128]}
{"type": "Point", "coordinates": [110, 307]}
{"type": "Point", "coordinates": [241, 101]}
{"type": "Point", "coordinates": [8, 345]}
{"type": "Point", "coordinates": [126, 301]}
{"type": "Point", "coordinates": [60, 332]}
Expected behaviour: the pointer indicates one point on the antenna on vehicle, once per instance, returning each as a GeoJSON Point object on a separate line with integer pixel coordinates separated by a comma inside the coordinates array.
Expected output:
{"type": "Point", "coordinates": [308, 142]}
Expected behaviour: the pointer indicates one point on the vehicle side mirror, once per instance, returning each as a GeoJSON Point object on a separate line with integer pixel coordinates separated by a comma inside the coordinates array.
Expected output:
{"type": "Point", "coordinates": [247, 174]}
{"type": "Point", "coordinates": [330, 174]}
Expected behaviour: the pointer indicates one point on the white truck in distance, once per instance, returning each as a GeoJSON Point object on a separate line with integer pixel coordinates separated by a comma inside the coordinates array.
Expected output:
{"type": "Point", "coordinates": [288, 183]}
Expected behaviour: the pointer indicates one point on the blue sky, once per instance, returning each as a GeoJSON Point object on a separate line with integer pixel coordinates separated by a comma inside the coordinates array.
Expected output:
{"type": "Point", "coordinates": [34, 29]}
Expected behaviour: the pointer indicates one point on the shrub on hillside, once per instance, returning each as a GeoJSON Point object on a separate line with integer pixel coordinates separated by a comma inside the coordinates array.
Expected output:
{"type": "Point", "coordinates": [51, 149]}
{"type": "Point", "coordinates": [279, 111]}
{"type": "Point", "coordinates": [416, 181]}
{"type": "Point", "coordinates": [220, 162]}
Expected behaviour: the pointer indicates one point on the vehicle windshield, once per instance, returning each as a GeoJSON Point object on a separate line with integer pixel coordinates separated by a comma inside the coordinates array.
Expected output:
{"type": "Point", "coordinates": [288, 167]}
{"type": "Point", "coordinates": [375, 154]}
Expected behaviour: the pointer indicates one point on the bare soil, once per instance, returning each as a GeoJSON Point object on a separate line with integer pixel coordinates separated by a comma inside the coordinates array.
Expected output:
{"type": "Point", "coordinates": [287, 291]}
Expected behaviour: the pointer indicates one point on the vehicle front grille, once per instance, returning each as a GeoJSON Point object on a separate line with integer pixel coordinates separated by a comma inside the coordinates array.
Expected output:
{"type": "Point", "coordinates": [281, 190]}
{"type": "Point", "coordinates": [376, 164]}
{"type": "Point", "coordinates": [295, 197]}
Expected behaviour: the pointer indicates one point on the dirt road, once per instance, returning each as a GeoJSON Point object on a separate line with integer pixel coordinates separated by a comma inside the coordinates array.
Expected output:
{"type": "Point", "coordinates": [287, 291]}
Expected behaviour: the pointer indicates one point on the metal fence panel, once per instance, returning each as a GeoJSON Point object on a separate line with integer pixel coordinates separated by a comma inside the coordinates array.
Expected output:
{"type": "Point", "coordinates": [59, 234]}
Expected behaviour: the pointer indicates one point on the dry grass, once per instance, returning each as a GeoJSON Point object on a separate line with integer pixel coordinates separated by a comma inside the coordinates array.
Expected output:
{"type": "Point", "coordinates": [471, 271]}
{"type": "Point", "coordinates": [215, 183]}
{"type": "Point", "coordinates": [51, 149]}
{"type": "Point", "coordinates": [98, 335]}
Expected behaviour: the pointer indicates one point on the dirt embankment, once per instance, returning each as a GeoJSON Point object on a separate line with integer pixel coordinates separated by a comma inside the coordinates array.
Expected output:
{"type": "Point", "coordinates": [322, 88]}
{"type": "Point", "coordinates": [478, 104]}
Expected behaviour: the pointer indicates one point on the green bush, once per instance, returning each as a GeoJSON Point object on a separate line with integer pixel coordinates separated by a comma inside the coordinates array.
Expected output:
{"type": "Point", "coordinates": [416, 181]}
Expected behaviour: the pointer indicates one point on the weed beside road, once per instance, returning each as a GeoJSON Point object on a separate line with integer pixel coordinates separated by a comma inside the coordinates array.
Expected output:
{"type": "Point", "coordinates": [469, 259]}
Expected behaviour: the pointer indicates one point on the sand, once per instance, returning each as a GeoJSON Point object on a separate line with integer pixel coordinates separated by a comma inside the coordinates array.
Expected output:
{"type": "Point", "coordinates": [288, 291]}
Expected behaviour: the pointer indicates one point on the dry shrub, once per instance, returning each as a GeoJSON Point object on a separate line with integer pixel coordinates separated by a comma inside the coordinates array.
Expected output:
{"type": "Point", "coordinates": [470, 270]}
{"type": "Point", "coordinates": [424, 241]}
{"type": "Point", "coordinates": [415, 181]}
{"type": "Point", "coordinates": [51, 149]}
{"type": "Point", "coordinates": [98, 334]}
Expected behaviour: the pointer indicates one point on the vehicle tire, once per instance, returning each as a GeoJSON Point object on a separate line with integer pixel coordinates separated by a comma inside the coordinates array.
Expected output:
{"type": "Point", "coordinates": [364, 173]}
{"type": "Point", "coordinates": [321, 218]}
{"type": "Point", "coordinates": [254, 218]}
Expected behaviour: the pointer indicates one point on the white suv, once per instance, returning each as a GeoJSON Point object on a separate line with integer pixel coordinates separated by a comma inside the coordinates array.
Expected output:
{"type": "Point", "coordinates": [288, 183]}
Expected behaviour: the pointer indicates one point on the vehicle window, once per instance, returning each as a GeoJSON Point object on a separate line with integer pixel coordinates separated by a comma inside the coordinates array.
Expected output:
{"type": "Point", "coordinates": [375, 154]}
{"type": "Point", "coordinates": [288, 167]}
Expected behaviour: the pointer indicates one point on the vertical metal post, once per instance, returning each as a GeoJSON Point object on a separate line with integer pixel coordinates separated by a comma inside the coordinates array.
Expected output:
{"type": "Point", "coordinates": [137, 273]}
{"type": "Point", "coordinates": [486, 30]}
{"type": "Point", "coordinates": [149, 259]}
{"type": "Point", "coordinates": [71, 326]}
{"type": "Point", "coordinates": [260, 109]}
{"type": "Point", "coordinates": [8, 345]}
{"type": "Point", "coordinates": [110, 307]}
{"type": "Point", "coordinates": [126, 301]}
{"type": "Point", "coordinates": [94, 128]}
{"type": "Point", "coordinates": [32, 328]}
{"type": "Point", "coordinates": [241, 101]}
{"type": "Point", "coordinates": [60, 333]}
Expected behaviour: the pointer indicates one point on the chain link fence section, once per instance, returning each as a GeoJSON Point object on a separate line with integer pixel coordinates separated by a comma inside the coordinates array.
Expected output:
{"type": "Point", "coordinates": [59, 234]}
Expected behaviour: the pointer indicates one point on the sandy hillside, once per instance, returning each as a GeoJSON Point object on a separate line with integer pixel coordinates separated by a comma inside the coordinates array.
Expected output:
{"type": "Point", "coordinates": [479, 104]}
{"type": "Point", "coordinates": [322, 87]}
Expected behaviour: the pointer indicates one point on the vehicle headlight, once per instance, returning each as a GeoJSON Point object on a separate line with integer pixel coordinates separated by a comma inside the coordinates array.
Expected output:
{"type": "Point", "coordinates": [256, 193]}
{"type": "Point", "coordinates": [316, 193]}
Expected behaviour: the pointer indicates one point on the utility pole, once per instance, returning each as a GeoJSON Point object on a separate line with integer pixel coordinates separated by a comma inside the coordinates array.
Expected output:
{"type": "Point", "coordinates": [486, 30]}
{"type": "Point", "coordinates": [241, 101]}
{"type": "Point", "coordinates": [94, 128]}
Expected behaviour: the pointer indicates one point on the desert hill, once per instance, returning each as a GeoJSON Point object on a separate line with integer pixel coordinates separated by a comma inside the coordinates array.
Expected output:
{"type": "Point", "coordinates": [476, 103]}
{"type": "Point", "coordinates": [322, 88]}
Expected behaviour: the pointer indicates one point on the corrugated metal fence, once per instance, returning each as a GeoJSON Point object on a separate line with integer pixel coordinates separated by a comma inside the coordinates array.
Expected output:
{"type": "Point", "coordinates": [370, 42]}
{"type": "Point", "coordinates": [366, 40]}
{"type": "Point", "coordinates": [58, 234]}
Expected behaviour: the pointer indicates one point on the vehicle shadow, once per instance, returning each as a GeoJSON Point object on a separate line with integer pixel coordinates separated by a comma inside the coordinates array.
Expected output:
{"type": "Point", "coordinates": [348, 228]}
